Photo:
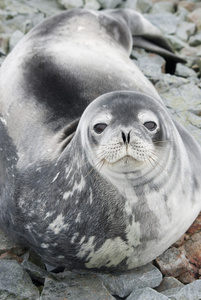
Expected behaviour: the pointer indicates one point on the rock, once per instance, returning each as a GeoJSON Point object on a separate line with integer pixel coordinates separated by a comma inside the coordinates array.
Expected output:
{"type": "Point", "coordinates": [73, 286]}
{"type": "Point", "coordinates": [195, 40]}
{"type": "Point", "coordinates": [189, 5]}
{"type": "Point", "coordinates": [15, 38]}
{"type": "Point", "coordinates": [184, 30]}
{"type": "Point", "coordinates": [146, 294]}
{"type": "Point", "coordinates": [184, 71]}
{"type": "Point", "coordinates": [191, 291]}
{"type": "Point", "coordinates": [109, 3]}
{"type": "Point", "coordinates": [166, 22]}
{"type": "Point", "coordinates": [144, 6]}
{"type": "Point", "coordinates": [169, 286]}
{"type": "Point", "coordinates": [176, 43]}
{"type": "Point", "coordinates": [167, 82]}
{"type": "Point", "coordinates": [8, 245]}
{"type": "Point", "coordinates": [185, 102]}
{"type": "Point", "coordinates": [4, 43]}
{"type": "Point", "coordinates": [68, 4]}
{"type": "Point", "coordinates": [152, 65]}
{"type": "Point", "coordinates": [47, 7]}
{"type": "Point", "coordinates": [172, 262]}
{"type": "Point", "coordinates": [15, 282]}
{"type": "Point", "coordinates": [92, 4]}
{"type": "Point", "coordinates": [35, 272]}
{"type": "Point", "coordinates": [163, 6]}
{"type": "Point", "coordinates": [123, 284]}
{"type": "Point", "coordinates": [187, 277]}
{"type": "Point", "coordinates": [18, 7]}
{"type": "Point", "coordinates": [195, 17]}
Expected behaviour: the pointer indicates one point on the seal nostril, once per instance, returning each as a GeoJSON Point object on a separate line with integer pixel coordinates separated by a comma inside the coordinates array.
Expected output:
{"type": "Point", "coordinates": [128, 138]}
{"type": "Point", "coordinates": [123, 137]}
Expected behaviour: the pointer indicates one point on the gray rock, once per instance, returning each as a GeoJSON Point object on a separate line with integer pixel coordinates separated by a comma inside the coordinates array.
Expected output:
{"type": "Point", "coordinates": [19, 7]}
{"type": "Point", "coordinates": [15, 282]}
{"type": "Point", "coordinates": [47, 7]}
{"type": "Point", "coordinates": [8, 245]}
{"type": "Point", "coordinates": [184, 71]}
{"type": "Point", "coordinates": [166, 22]}
{"type": "Point", "coordinates": [144, 6]}
{"type": "Point", "coordinates": [92, 4]}
{"type": "Point", "coordinates": [167, 82]}
{"type": "Point", "coordinates": [35, 271]}
{"type": "Point", "coordinates": [146, 294]}
{"type": "Point", "coordinates": [68, 4]}
{"type": "Point", "coordinates": [191, 291]}
{"type": "Point", "coordinates": [15, 38]}
{"type": "Point", "coordinates": [185, 103]}
{"type": "Point", "coordinates": [152, 65]}
{"type": "Point", "coordinates": [109, 3]}
{"type": "Point", "coordinates": [164, 6]}
{"type": "Point", "coordinates": [184, 30]}
{"type": "Point", "coordinates": [194, 16]}
{"type": "Point", "coordinates": [195, 40]}
{"type": "Point", "coordinates": [74, 286]}
{"type": "Point", "coordinates": [176, 43]}
{"type": "Point", "coordinates": [169, 286]}
{"type": "Point", "coordinates": [4, 43]}
{"type": "Point", "coordinates": [132, 4]}
{"type": "Point", "coordinates": [123, 284]}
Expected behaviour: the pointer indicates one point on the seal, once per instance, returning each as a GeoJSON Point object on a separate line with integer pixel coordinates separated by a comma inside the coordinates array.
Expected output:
{"type": "Point", "coordinates": [95, 173]}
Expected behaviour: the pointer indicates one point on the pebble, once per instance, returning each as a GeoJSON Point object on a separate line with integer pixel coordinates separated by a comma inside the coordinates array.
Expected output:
{"type": "Point", "coordinates": [181, 263]}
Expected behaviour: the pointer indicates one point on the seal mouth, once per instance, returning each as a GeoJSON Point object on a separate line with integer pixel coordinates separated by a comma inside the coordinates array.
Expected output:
{"type": "Point", "coordinates": [126, 160]}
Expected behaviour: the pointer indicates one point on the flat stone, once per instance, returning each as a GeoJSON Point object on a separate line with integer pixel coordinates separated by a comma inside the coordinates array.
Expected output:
{"type": "Point", "coordinates": [166, 22]}
{"type": "Point", "coordinates": [169, 286]}
{"type": "Point", "coordinates": [184, 71]}
{"type": "Point", "coordinates": [15, 38]}
{"type": "Point", "coordinates": [123, 284]}
{"type": "Point", "coordinates": [92, 4]}
{"type": "Point", "coordinates": [74, 286]}
{"type": "Point", "coordinates": [167, 82]}
{"type": "Point", "coordinates": [146, 294]}
{"type": "Point", "coordinates": [163, 6]}
{"type": "Point", "coordinates": [185, 30]}
{"type": "Point", "coordinates": [109, 3]}
{"type": "Point", "coordinates": [175, 42]}
{"type": "Point", "coordinates": [68, 4]}
{"type": "Point", "coordinates": [172, 262]}
{"type": "Point", "coordinates": [191, 291]}
{"type": "Point", "coordinates": [194, 17]}
{"type": "Point", "coordinates": [185, 102]}
{"type": "Point", "coordinates": [35, 272]}
{"type": "Point", "coordinates": [19, 8]}
{"type": "Point", "coordinates": [15, 282]}
{"type": "Point", "coordinates": [195, 40]}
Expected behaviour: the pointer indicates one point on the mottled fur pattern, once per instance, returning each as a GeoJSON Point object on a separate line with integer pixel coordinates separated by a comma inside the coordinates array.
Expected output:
{"type": "Point", "coordinates": [109, 199]}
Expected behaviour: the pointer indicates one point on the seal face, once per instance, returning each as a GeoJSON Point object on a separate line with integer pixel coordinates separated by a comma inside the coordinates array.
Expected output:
{"type": "Point", "coordinates": [97, 175]}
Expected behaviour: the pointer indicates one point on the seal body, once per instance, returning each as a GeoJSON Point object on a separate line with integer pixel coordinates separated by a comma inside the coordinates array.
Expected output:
{"type": "Point", "coordinates": [94, 172]}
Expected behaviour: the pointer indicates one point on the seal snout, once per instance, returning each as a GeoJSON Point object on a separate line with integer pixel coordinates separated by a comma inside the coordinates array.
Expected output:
{"type": "Point", "coordinates": [126, 137]}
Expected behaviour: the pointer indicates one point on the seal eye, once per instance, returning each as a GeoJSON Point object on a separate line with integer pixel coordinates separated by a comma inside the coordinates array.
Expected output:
{"type": "Point", "coordinates": [150, 125]}
{"type": "Point", "coordinates": [100, 127]}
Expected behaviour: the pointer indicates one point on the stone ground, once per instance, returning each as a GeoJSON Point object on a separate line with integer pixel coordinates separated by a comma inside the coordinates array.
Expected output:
{"type": "Point", "coordinates": [176, 274]}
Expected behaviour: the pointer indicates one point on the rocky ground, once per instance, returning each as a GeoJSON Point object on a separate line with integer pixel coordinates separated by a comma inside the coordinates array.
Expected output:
{"type": "Point", "coordinates": [176, 274]}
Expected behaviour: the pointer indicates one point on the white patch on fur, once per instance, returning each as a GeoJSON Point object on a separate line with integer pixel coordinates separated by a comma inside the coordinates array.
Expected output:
{"type": "Point", "coordinates": [77, 187]}
{"type": "Point", "coordinates": [44, 246]}
{"type": "Point", "coordinates": [74, 237]}
{"type": "Point", "coordinates": [113, 251]}
{"type": "Point", "coordinates": [77, 220]}
{"type": "Point", "coordinates": [55, 178]}
{"type": "Point", "coordinates": [58, 224]}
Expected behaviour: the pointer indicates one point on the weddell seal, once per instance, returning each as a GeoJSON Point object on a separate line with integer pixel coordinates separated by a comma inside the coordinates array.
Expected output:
{"type": "Point", "coordinates": [94, 171]}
